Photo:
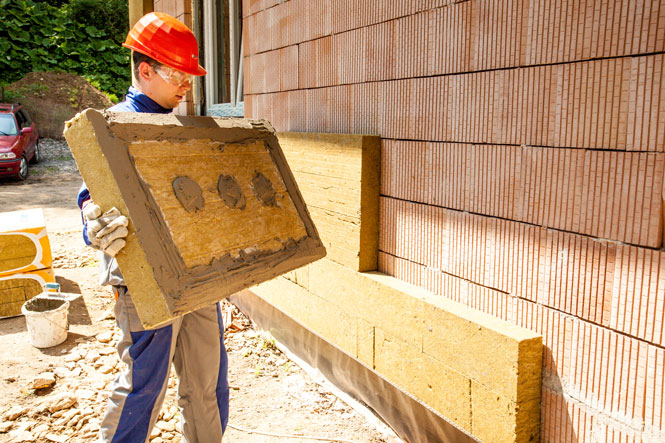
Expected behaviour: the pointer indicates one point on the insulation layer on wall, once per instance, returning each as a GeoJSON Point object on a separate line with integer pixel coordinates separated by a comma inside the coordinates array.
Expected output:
{"type": "Point", "coordinates": [443, 353]}
{"type": "Point", "coordinates": [340, 183]}
{"type": "Point", "coordinates": [480, 372]}
{"type": "Point", "coordinates": [522, 170]}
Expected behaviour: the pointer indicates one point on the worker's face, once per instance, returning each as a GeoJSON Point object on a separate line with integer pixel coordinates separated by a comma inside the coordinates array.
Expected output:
{"type": "Point", "coordinates": [164, 85]}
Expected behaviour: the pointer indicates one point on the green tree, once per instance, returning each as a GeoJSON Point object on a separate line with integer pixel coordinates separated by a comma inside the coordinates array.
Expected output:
{"type": "Point", "coordinates": [36, 36]}
{"type": "Point", "coordinates": [56, 3]}
{"type": "Point", "coordinates": [110, 15]}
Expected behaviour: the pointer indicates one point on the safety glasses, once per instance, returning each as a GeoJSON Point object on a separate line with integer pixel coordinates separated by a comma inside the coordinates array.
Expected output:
{"type": "Point", "coordinates": [173, 76]}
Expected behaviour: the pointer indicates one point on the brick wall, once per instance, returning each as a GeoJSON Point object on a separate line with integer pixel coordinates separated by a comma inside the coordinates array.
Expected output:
{"type": "Point", "coordinates": [523, 164]}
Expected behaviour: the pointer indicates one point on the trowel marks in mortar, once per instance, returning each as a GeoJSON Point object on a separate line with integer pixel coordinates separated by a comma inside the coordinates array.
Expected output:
{"type": "Point", "coordinates": [230, 192]}
{"type": "Point", "coordinates": [188, 193]}
{"type": "Point", "coordinates": [263, 189]}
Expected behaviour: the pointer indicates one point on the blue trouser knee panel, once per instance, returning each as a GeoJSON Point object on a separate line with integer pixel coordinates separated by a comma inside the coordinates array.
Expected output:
{"type": "Point", "coordinates": [190, 341]}
{"type": "Point", "coordinates": [150, 356]}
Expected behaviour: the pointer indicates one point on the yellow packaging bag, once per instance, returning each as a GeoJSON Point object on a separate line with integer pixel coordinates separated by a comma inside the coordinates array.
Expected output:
{"type": "Point", "coordinates": [24, 243]}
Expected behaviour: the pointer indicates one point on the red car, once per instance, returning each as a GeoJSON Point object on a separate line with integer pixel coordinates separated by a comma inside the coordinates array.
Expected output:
{"type": "Point", "coordinates": [19, 141]}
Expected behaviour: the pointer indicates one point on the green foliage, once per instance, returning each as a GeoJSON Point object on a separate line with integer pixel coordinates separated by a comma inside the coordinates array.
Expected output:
{"type": "Point", "coordinates": [56, 3]}
{"type": "Point", "coordinates": [26, 90]}
{"type": "Point", "coordinates": [35, 36]}
{"type": "Point", "coordinates": [8, 96]}
{"type": "Point", "coordinates": [110, 15]}
{"type": "Point", "coordinates": [112, 97]}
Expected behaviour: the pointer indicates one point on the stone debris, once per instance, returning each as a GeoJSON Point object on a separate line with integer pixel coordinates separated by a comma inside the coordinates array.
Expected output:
{"type": "Point", "coordinates": [85, 394]}
{"type": "Point", "coordinates": [72, 412]}
{"type": "Point", "coordinates": [109, 350]}
{"type": "Point", "coordinates": [106, 369]}
{"type": "Point", "coordinates": [66, 417]}
{"type": "Point", "coordinates": [15, 412]}
{"type": "Point", "coordinates": [105, 337]}
{"type": "Point", "coordinates": [65, 257]}
{"type": "Point", "coordinates": [40, 428]}
{"type": "Point", "coordinates": [55, 437]}
{"type": "Point", "coordinates": [19, 436]}
{"type": "Point", "coordinates": [167, 415]}
{"type": "Point", "coordinates": [61, 372]}
{"type": "Point", "coordinates": [61, 401]}
{"type": "Point", "coordinates": [168, 426]}
{"type": "Point", "coordinates": [74, 356]}
{"type": "Point", "coordinates": [92, 356]}
{"type": "Point", "coordinates": [24, 426]}
{"type": "Point", "coordinates": [43, 381]}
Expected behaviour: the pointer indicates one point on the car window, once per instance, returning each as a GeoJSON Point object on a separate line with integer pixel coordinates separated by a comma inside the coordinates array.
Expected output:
{"type": "Point", "coordinates": [20, 119]}
{"type": "Point", "coordinates": [8, 125]}
{"type": "Point", "coordinates": [25, 117]}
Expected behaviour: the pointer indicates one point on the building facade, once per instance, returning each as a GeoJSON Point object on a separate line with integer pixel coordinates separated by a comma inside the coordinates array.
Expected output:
{"type": "Point", "coordinates": [522, 167]}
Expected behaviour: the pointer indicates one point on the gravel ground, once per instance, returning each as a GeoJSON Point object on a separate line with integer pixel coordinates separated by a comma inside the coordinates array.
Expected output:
{"type": "Point", "coordinates": [56, 158]}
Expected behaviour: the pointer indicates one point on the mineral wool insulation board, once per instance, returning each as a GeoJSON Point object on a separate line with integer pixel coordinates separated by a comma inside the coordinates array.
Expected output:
{"type": "Point", "coordinates": [213, 206]}
{"type": "Point", "coordinates": [24, 243]}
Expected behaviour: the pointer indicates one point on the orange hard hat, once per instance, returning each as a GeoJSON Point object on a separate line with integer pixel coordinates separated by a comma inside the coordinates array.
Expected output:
{"type": "Point", "coordinates": [167, 40]}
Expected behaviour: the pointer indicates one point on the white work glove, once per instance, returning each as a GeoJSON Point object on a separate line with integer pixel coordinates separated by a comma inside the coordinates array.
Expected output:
{"type": "Point", "coordinates": [91, 213]}
{"type": "Point", "coordinates": [106, 231]}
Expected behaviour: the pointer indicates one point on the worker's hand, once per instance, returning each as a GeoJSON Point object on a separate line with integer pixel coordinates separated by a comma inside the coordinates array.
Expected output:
{"type": "Point", "coordinates": [112, 236]}
{"type": "Point", "coordinates": [91, 213]}
{"type": "Point", "coordinates": [106, 231]}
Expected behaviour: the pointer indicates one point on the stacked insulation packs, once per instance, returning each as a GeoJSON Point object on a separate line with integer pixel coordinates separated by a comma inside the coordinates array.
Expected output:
{"type": "Point", "coordinates": [25, 259]}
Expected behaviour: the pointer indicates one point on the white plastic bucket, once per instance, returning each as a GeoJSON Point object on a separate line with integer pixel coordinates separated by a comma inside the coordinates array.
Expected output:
{"type": "Point", "coordinates": [46, 320]}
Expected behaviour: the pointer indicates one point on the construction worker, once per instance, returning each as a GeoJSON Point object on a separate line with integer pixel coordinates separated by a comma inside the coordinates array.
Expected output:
{"type": "Point", "coordinates": [165, 55]}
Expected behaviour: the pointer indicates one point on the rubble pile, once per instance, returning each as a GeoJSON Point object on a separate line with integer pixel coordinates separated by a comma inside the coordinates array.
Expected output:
{"type": "Point", "coordinates": [73, 396]}
{"type": "Point", "coordinates": [69, 400]}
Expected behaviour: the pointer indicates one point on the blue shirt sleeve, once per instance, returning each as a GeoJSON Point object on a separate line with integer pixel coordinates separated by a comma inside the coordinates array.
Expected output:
{"type": "Point", "coordinates": [83, 196]}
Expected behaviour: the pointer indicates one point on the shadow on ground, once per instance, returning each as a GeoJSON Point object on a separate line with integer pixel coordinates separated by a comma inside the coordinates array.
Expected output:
{"type": "Point", "coordinates": [41, 193]}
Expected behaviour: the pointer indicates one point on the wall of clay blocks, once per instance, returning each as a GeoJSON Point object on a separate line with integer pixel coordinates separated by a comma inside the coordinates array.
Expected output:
{"type": "Point", "coordinates": [523, 164]}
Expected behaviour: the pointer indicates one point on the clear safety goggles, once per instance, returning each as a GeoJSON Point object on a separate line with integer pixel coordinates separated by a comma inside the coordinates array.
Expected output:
{"type": "Point", "coordinates": [173, 76]}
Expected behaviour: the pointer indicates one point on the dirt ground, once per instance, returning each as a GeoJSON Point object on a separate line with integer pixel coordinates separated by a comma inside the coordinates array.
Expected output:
{"type": "Point", "coordinates": [272, 399]}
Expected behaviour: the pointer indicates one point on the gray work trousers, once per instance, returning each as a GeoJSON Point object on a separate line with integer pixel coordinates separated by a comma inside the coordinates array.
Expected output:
{"type": "Point", "coordinates": [194, 343]}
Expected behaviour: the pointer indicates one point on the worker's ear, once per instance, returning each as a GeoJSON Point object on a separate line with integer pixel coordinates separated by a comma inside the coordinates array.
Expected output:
{"type": "Point", "coordinates": [145, 72]}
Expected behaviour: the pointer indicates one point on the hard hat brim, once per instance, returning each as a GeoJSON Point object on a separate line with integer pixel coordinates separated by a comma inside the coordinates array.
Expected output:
{"type": "Point", "coordinates": [199, 71]}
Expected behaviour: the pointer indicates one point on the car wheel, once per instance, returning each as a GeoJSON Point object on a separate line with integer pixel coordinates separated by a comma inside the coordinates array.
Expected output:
{"type": "Point", "coordinates": [38, 154]}
{"type": "Point", "coordinates": [23, 169]}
